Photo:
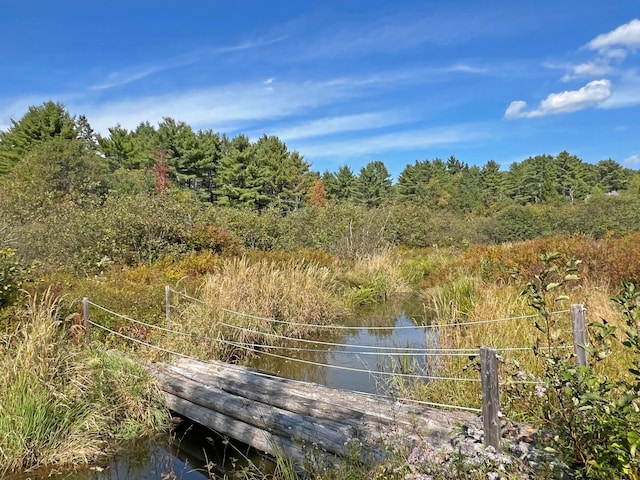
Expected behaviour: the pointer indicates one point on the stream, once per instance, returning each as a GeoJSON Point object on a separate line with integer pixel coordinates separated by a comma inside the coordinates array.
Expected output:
{"type": "Point", "coordinates": [193, 452]}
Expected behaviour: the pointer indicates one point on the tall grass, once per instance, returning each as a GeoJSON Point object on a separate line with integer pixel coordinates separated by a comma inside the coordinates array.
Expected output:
{"type": "Point", "coordinates": [474, 289]}
{"type": "Point", "coordinates": [295, 292]}
{"type": "Point", "coordinates": [63, 404]}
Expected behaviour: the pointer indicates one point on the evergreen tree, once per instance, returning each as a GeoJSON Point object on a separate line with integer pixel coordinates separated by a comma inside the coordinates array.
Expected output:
{"type": "Point", "coordinates": [341, 186]}
{"type": "Point", "coordinates": [40, 124]}
{"type": "Point", "coordinates": [412, 183]}
{"type": "Point", "coordinates": [611, 176]}
{"type": "Point", "coordinates": [374, 184]}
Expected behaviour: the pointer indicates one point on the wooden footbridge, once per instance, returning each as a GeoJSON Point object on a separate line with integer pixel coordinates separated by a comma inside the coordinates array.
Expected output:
{"type": "Point", "coordinates": [298, 419]}
{"type": "Point", "coordinates": [307, 421]}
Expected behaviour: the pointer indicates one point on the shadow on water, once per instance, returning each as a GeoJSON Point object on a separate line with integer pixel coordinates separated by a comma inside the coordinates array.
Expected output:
{"type": "Point", "coordinates": [193, 452]}
{"type": "Point", "coordinates": [189, 452]}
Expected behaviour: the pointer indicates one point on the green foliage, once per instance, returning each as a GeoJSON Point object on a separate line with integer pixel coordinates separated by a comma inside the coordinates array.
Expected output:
{"type": "Point", "coordinates": [374, 184]}
{"type": "Point", "coordinates": [39, 125]}
{"type": "Point", "coordinates": [63, 404]}
{"type": "Point", "coordinates": [595, 421]}
{"type": "Point", "coordinates": [12, 275]}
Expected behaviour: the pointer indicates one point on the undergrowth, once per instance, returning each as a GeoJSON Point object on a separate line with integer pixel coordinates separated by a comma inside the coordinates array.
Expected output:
{"type": "Point", "coordinates": [64, 403]}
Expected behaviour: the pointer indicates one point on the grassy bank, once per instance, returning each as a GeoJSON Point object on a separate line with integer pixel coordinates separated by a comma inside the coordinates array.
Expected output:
{"type": "Point", "coordinates": [64, 403]}
{"type": "Point", "coordinates": [68, 403]}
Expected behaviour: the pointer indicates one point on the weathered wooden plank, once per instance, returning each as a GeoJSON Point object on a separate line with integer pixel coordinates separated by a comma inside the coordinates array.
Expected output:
{"type": "Point", "coordinates": [289, 395]}
{"type": "Point", "coordinates": [312, 399]}
{"type": "Point", "coordinates": [276, 414]}
{"type": "Point", "coordinates": [259, 439]}
{"type": "Point", "coordinates": [260, 415]}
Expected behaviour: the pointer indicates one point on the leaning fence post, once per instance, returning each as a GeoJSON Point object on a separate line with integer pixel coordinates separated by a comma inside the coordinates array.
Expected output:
{"type": "Point", "coordinates": [85, 317]}
{"type": "Point", "coordinates": [167, 305]}
{"type": "Point", "coordinates": [490, 397]}
{"type": "Point", "coordinates": [579, 334]}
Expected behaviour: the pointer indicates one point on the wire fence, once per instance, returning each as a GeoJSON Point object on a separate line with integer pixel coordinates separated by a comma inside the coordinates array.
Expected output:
{"type": "Point", "coordinates": [421, 363]}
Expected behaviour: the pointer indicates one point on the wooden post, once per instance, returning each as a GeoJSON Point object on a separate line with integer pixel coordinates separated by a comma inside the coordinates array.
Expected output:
{"type": "Point", "coordinates": [85, 318]}
{"type": "Point", "coordinates": [167, 305]}
{"type": "Point", "coordinates": [490, 397]}
{"type": "Point", "coordinates": [579, 334]}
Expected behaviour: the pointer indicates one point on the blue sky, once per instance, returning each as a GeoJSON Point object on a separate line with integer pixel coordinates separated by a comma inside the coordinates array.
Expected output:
{"type": "Point", "coordinates": [343, 82]}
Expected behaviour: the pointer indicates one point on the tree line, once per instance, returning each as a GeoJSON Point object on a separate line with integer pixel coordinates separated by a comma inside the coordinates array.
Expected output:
{"type": "Point", "coordinates": [61, 152]}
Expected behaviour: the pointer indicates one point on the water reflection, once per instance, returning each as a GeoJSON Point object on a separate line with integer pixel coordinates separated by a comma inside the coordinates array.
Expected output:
{"type": "Point", "coordinates": [367, 349]}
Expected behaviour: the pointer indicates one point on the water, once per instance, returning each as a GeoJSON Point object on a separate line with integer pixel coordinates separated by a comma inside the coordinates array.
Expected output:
{"type": "Point", "coordinates": [360, 361]}
{"type": "Point", "coordinates": [193, 452]}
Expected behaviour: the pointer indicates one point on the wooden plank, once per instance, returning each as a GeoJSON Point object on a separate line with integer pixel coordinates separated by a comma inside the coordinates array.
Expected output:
{"type": "Point", "coordinates": [270, 412]}
{"type": "Point", "coordinates": [258, 438]}
{"type": "Point", "coordinates": [260, 415]}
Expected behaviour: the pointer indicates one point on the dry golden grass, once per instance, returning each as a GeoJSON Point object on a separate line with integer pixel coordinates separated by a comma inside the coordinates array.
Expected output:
{"type": "Point", "coordinates": [473, 295]}
{"type": "Point", "coordinates": [301, 294]}
{"type": "Point", "coordinates": [63, 404]}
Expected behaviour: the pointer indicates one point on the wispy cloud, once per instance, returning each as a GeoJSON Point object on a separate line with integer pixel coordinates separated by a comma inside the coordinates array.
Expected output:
{"type": "Point", "coordinates": [342, 124]}
{"type": "Point", "coordinates": [133, 73]}
{"type": "Point", "coordinates": [592, 94]}
{"type": "Point", "coordinates": [594, 68]}
{"type": "Point", "coordinates": [225, 106]}
{"type": "Point", "coordinates": [116, 79]}
{"type": "Point", "coordinates": [611, 49]}
{"type": "Point", "coordinates": [632, 161]}
{"type": "Point", "coordinates": [402, 141]}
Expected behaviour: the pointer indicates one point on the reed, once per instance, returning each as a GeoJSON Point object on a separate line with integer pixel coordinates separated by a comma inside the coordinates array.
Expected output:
{"type": "Point", "coordinates": [63, 404]}
{"type": "Point", "coordinates": [250, 295]}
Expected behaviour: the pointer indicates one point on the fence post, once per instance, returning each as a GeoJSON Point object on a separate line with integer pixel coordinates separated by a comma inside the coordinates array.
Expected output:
{"type": "Point", "coordinates": [490, 397]}
{"type": "Point", "coordinates": [167, 305]}
{"type": "Point", "coordinates": [579, 334]}
{"type": "Point", "coordinates": [85, 317]}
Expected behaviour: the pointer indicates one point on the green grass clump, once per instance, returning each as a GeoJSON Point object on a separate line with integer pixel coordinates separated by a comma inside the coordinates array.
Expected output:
{"type": "Point", "coordinates": [64, 403]}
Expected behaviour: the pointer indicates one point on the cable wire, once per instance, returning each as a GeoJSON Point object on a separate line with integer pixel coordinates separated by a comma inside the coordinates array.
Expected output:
{"type": "Point", "coordinates": [360, 370]}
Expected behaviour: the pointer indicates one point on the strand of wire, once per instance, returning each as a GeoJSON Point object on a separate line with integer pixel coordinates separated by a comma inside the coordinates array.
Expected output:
{"type": "Point", "coordinates": [275, 377]}
{"type": "Point", "coordinates": [146, 344]}
{"type": "Point", "coordinates": [361, 370]}
{"type": "Point", "coordinates": [348, 327]}
{"type": "Point", "coordinates": [401, 351]}
{"type": "Point", "coordinates": [423, 351]}
{"type": "Point", "coordinates": [187, 296]}
{"type": "Point", "coordinates": [401, 327]}
{"type": "Point", "coordinates": [124, 317]}
{"type": "Point", "coordinates": [440, 405]}
{"type": "Point", "coordinates": [127, 337]}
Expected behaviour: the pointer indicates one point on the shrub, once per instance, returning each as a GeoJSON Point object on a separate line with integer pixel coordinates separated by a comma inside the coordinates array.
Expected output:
{"type": "Point", "coordinates": [12, 275]}
{"type": "Point", "coordinates": [594, 421]}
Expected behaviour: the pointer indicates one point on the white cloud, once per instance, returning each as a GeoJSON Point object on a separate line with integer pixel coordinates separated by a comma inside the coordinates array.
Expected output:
{"type": "Point", "coordinates": [224, 106]}
{"type": "Point", "coordinates": [134, 73]}
{"type": "Point", "coordinates": [588, 69]}
{"type": "Point", "coordinates": [346, 123]}
{"type": "Point", "coordinates": [626, 36]}
{"type": "Point", "coordinates": [389, 142]}
{"type": "Point", "coordinates": [633, 160]}
{"type": "Point", "coordinates": [592, 94]}
{"type": "Point", "coordinates": [115, 79]}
